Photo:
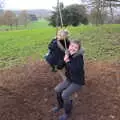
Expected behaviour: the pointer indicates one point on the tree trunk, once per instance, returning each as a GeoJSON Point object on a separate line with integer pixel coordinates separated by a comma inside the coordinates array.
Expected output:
{"type": "Point", "coordinates": [111, 11]}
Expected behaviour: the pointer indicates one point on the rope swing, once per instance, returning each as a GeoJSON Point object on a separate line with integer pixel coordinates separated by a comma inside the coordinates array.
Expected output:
{"type": "Point", "coordinates": [59, 14]}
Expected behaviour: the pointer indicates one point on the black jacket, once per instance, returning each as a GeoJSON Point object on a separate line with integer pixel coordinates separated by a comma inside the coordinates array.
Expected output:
{"type": "Point", "coordinates": [74, 69]}
{"type": "Point", "coordinates": [56, 53]}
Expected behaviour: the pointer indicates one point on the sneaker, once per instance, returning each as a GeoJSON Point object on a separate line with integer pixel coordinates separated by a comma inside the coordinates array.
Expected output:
{"type": "Point", "coordinates": [63, 117]}
{"type": "Point", "coordinates": [56, 109]}
{"type": "Point", "coordinates": [53, 69]}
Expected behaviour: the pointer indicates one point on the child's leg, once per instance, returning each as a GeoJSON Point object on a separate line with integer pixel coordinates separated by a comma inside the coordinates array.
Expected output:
{"type": "Point", "coordinates": [61, 86]}
{"type": "Point", "coordinates": [58, 89]}
{"type": "Point", "coordinates": [53, 68]}
{"type": "Point", "coordinates": [66, 99]}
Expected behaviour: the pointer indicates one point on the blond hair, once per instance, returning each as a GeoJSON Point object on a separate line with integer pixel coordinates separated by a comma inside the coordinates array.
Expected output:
{"type": "Point", "coordinates": [63, 34]}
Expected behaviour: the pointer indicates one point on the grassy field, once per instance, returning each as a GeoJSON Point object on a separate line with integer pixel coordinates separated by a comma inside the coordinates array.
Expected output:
{"type": "Point", "coordinates": [100, 43]}
{"type": "Point", "coordinates": [40, 24]}
{"type": "Point", "coordinates": [31, 25]}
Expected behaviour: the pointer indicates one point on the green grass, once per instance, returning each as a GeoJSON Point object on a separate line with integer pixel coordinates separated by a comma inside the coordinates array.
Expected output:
{"type": "Point", "coordinates": [39, 24]}
{"type": "Point", "coordinates": [101, 43]}
{"type": "Point", "coordinates": [31, 25]}
{"type": "Point", "coordinates": [16, 45]}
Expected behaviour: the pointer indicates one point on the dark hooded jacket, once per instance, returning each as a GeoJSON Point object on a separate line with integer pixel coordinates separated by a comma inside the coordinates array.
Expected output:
{"type": "Point", "coordinates": [56, 51]}
{"type": "Point", "coordinates": [74, 69]}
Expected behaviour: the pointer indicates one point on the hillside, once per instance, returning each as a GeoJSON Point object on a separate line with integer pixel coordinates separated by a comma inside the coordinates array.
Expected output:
{"type": "Point", "coordinates": [37, 12]}
{"type": "Point", "coordinates": [100, 43]}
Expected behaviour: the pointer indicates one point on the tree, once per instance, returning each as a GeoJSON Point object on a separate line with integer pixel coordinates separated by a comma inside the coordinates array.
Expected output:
{"type": "Point", "coordinates": [1, 20]}
{"type": "Point", "coordinates": [9, 18]}
{"type": "Point", "coordinates": [72, 15]}
{"type": "Point", "coordinates": [102, 6]}
{"type": "Point", "coordinates": [94, 17]}
{"type": "Point", "coordinates": [23, 18]}
{"type": "Point", "coordinates": [117, 20]}
{"type": "Point", "coordinates": [1, 17]}
{"type": "Point", "coordinates": [55, 18]}
{"type": "Point", "coordinates": [112, 4]}
{"type": "Point", "coordinates": [97, 10]}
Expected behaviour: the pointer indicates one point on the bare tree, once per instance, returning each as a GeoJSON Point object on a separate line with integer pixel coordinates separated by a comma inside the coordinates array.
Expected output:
{"type": "Point", "coordinates": [1, 11]}
{"type": "Point", "coordinates": [97, 10]}
{"type": "Point", "coordinates": [23, 18]}
{"type": "Point", "coordinates": [112, 4]}
{"type": "Point", "coordinates": [100, 7]}
{"type": "Point", "coordinates": [9, 18]}
{"type": "Point", "coordinates": [1, 20]}
{"type": "Point", "coordinates": [96, 17]}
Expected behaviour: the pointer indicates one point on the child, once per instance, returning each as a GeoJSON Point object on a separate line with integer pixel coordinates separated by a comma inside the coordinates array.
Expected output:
{"type": "Point", "coordinates": [74, 71]}
{"type": "Point", "coordinates": [57, 49]}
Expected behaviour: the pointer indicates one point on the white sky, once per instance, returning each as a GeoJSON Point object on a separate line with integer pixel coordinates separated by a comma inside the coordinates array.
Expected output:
{"type": "Point", "coordinates": [35, 4]}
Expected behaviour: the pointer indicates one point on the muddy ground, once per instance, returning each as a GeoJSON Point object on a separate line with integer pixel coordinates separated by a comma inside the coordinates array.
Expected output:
{"type": "Point", "coordinates": [27, 92]}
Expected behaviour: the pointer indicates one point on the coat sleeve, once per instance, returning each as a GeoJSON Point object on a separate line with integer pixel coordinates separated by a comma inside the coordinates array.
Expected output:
{"type": "Point", "coordinates": [61, 64]}
{"type": "Point", "coordinates": [51, 45]}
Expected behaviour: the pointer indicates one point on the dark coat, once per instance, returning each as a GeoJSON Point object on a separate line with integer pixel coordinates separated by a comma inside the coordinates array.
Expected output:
{"type": "Point", "coordinates": [74, 69]}
{"type": "Point", "coordinates": [56, 53]}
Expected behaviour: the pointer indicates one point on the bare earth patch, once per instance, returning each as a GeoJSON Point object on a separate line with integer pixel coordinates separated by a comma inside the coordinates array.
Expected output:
{"type": "Point", "coordinates": [27, 92]}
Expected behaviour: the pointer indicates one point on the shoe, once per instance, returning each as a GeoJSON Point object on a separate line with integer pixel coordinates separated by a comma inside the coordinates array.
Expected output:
{"type": "Point", "coordinates": [56, 109]}
{"type": "Point", "coordinates": [63, 117]}
{"type": "Point", "coordinates": [53, 69]}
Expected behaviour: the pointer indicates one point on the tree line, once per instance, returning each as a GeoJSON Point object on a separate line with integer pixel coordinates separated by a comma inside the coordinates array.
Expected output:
{"type": "Point", "coordinates": [11, 19]}
{"type": "Point", "coordinates": [89, 12]}
{"type": "Point", "coordinates": [103, 11]}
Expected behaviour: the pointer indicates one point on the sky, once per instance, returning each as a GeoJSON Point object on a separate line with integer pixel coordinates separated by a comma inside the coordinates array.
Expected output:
{"type": "Point", "coordinates": [35, 4]}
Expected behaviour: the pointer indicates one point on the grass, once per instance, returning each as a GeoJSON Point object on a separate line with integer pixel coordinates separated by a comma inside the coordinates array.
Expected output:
{"type": "Point", "coordinates": [42, 23]}
{"type": "Point", "coordinates": [101, 43]}
{"type": "Point", "coordinates": [39, 24]}
{"type": "Point", "coordinates": [16, 45]}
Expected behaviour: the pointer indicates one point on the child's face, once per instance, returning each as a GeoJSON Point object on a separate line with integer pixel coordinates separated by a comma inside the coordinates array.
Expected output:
{"type": "Point", "coordinates": [73, 48]}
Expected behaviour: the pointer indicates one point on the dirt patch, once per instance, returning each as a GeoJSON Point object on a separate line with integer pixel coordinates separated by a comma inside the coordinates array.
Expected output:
{"type": "Point", "coordinates": [26, 92]}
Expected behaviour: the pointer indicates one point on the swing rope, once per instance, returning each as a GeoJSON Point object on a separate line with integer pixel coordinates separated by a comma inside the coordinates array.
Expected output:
{"type": "Point", "coordinates": [61, 19]}
{"type": "Point", "coordinates": [59, 14]}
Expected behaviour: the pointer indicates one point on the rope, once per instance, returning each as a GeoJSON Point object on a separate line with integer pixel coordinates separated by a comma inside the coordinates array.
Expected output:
{"type": "Point", "coordinates": [59, 14]}
{"type": "Point", "coordinates": [57, 18]}
{"type": "Point", "coordinates": [61, 21]}
{"type": "Point", "coordinates": [59, 9]}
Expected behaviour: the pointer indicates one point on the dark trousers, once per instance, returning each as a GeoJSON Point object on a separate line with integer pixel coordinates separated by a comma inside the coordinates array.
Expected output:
{"type": "Point", "coordinates": [64, 91]}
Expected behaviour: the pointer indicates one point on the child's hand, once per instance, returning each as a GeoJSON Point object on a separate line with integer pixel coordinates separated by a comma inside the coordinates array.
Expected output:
{"type": "Point", "coordinates": [66, 58]}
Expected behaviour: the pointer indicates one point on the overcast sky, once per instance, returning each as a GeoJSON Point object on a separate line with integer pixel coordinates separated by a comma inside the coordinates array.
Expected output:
{"type": "Point", "coordinates": [35, 4]}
